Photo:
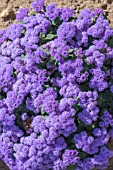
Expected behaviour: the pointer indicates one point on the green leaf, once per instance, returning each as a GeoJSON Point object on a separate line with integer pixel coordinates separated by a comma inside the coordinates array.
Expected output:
{"type": "Point", "coordinates": [110, 42]}
{"type": "Point", "coordinates": [44, 116]}
{"type": "Point", "coordinates": [48, 78]}
{"type": "Point", "coordinates": [93, 126]}
{"type": "Point", "coordinates": [77, 98]}
{"type": "Point", "coordinates": [82, 155]}
{"type": "Point", "coordinates": [22, 56]}
{"type": "Point", "coordinates": [50, 36]}
{"type": "Point", "coordinates": [45, 50]}
{"type": "Point", "coordinates": [2, 94]}
{"type": "Point", "coordinates": [71, 50]}
{"type": "Point", "coordinates": [40, 106]}
{"type": "Point", "coordinates": [105, 68]}
{"type": "Point", "coordinates": [23, 31]}
{"type": "Point", "coordinates": [53, 23]}
{"type": "Point", "coordinates": [46, 85]}
{"type": "Point", "coordinates": [52, 60]}
{"type": "Point", "coordinates": [42, 112]}
{"type": "Point", "coordinates": [42, 35]}
{"type": "Point", "coordinates": [72, 167]}
{"type": "Point", "coordinates": [14, 73]}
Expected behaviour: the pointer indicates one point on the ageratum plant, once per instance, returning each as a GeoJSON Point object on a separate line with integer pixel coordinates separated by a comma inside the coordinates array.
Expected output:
{"type": "Point", "coordinates": [56, 89]}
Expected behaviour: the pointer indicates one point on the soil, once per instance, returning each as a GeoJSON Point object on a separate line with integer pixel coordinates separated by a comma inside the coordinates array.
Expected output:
{"type": "Point", "coordinates": [8, 9]}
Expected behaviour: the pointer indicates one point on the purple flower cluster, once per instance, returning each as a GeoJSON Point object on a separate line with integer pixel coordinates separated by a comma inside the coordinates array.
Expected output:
{"type": "Point", "coordinates": [56, 89]}
{"type": "Point", "coordinates": [22, 12]}
{"type": "Point", "coordinates": [38, 5]}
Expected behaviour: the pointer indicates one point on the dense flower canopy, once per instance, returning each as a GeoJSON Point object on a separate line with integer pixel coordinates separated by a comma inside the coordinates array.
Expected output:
{"type": "Point", "coordinates": [56, 89]}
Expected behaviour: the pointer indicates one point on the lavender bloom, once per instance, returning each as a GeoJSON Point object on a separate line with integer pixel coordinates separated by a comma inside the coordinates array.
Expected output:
{"type": "Point", "coordinates": [67, 30]}
{"type": "Point", "coordinates": [22, 13]}
{"type": "Point", "coordinates": [14, 31]}
{"type": "Point", "coordinates": [66, 13]}
{"type": "Point", "coordinates": [52, 12]}
{"type": "Point", "coordinates": [38, 5]}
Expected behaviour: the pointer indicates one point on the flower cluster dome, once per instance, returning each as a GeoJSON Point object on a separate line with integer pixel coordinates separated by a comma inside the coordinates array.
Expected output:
{"type": "Point", "coordinates": [56, 89]}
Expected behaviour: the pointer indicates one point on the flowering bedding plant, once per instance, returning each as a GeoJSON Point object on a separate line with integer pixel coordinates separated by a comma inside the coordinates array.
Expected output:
{"type": "Point", "coordinates": [56, 89]}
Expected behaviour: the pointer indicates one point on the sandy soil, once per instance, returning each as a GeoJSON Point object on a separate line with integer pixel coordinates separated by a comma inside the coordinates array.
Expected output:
{"type": "Point", "coordinates": [8, 9]}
